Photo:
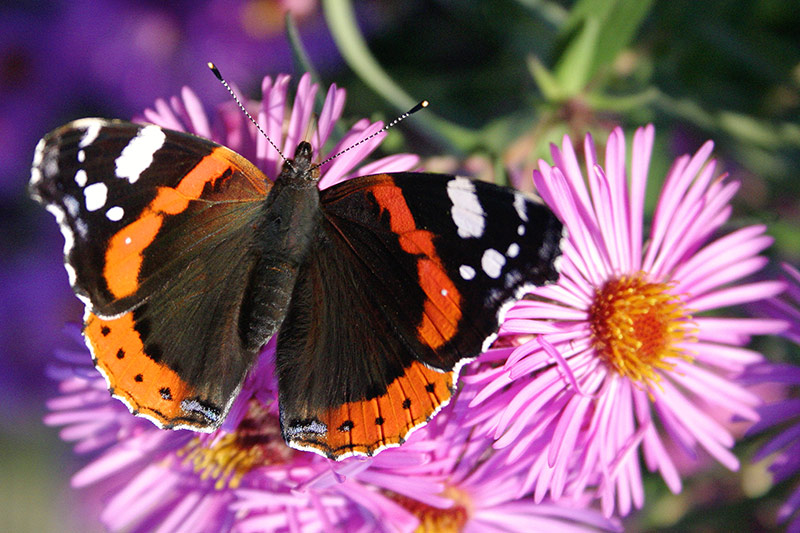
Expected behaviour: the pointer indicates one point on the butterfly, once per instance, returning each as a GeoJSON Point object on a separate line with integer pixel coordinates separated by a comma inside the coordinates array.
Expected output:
{"type": "Point", "coordinates": [189, 259]}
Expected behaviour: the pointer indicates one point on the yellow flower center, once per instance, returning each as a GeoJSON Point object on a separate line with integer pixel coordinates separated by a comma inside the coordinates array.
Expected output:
{"type": "Point", "coordinates": [635, 326]}
{"type": "Point", "coordinates": [434, 519]}
{"type": "Point", "coordinates": [256, 442]}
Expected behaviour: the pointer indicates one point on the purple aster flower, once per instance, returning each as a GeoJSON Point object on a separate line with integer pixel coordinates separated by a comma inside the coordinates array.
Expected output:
{"type": "Point", "coordinates": [57, 56]}
{"type": "Point", "coordinates": [783, 415]}
{"type": "Point", "coordinates": [178, 480]}
{"type": "Point", "coordinates": [623, 355]}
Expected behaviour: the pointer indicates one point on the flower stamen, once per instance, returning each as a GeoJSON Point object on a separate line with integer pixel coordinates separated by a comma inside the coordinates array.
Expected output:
{"type": "Point", "coordinates": [256, 442]}
{"type": "Point", "coordinates": [636, 325]}
{"type": "Point", "coordinates": [435, 519]}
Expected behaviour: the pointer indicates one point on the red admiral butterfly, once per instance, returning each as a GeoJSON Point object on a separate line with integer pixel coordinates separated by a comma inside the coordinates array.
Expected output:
{"type": "Point", "coordinates": [189, 259]}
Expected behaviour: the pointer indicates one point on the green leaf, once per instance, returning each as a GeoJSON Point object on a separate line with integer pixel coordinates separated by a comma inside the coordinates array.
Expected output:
{"type": "Point", "coordinates": [596, 32]}
{"type": "Point", "coordinates": [622, 104]}
{"type": "Point", "coordinates": [619, 29]}
{"type": "Point", "coordinates": [576, 66]}
{"type": "Point", "coordinates": [547, 83]}
{"type": "Point", "coordinates": [347, 35]}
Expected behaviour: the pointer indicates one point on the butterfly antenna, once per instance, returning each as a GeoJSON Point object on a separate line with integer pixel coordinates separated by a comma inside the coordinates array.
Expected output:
{"type": "Point", "coordinates": [396, 121]}
{"type": "Point", "coordinates": [216, 72]}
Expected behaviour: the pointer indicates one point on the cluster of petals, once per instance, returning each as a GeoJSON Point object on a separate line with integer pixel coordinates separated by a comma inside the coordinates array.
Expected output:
{"type": "Point", "coordinates": [554, 397]}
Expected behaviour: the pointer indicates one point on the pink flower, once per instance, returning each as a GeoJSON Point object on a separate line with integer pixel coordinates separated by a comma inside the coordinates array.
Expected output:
{"type": "Point", "coordinates": [623, 355]}
{"type": "Point", "coordinates": [232, 129]}
{"type": "Point", "coordinates": [246, 479]}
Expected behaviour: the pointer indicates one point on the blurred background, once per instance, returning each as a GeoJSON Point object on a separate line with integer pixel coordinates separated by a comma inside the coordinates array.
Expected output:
{"type": "Point", "coordinates": [504, 78]}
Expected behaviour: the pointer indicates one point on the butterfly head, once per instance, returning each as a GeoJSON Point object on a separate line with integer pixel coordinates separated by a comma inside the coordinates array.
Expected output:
{"type": "Point", "coordinates": [301, 167]}
{"type": "Point", "coordinates": [303, 154]}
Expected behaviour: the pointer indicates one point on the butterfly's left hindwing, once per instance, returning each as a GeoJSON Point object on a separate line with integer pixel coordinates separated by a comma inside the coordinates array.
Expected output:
{"type": "Point", "coordinates": [157, 227]}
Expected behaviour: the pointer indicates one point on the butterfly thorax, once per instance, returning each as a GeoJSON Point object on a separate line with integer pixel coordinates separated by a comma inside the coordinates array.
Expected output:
{"type": "Point", "coordinates": [290, 217]}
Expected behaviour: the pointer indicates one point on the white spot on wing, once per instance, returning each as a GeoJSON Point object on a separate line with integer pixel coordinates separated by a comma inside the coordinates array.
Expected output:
{"type": "Point", "coordinates": [444, 292]}
{"type": "Point", "coordinates": [81, 156]}
{"type": "Point", "coordinates": [50, 164]}
{"type": "Point", "coordinates": [82, 228]}
{"type": "Point", "coordinates": [95, 194]}
{"type": "Point", "coordinates": [81, 178]}
{"type": "Point", "coordinates": [467, 212]}
{"type": "Point", "coordinates": [66, 231]}
{"type": "Point", "coordinates": [73, 206]}
{"type": "Point", "coordinates": [127, 240]}
{"type": "Point", "coordinates": [38, 154]}
{"type": "Point", "coordinates": [138, 155]}
{"type": "Point", "coordinates": [92, 130]}
{"type": "Point", "coordinates": [467, 272]}
{"type": "Point", "coordinates": [314, 426]}
{"type": "Point", "coordinates": [38, 157]}
{"type": "Point", "coordinates": [513, 250]}
{"type": "Point", "coordinates": [520, 230]}
{"type": "Point", "coordinates": [492, 263]}
{"type": "Point", "coordinates": [193, 406]}
{"type": "Point", "coordinates": [513, 278]}
{"type": "Point", "coordinates": [36, 177]}
{"type": "Point", "coordinates": [71, 274]}
{"type": "Point", "coordinates": [115, 214]}
{"type": "Point", "coordinates": [519, 205]}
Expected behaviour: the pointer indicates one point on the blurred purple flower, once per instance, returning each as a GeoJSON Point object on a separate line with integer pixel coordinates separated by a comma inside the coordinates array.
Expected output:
{"type": "Point", "coordinates": [617, 357]}
{"type": "Point", "coordinates": [58, 58]}
{"type": "Point", "coordinates": [783, 416]}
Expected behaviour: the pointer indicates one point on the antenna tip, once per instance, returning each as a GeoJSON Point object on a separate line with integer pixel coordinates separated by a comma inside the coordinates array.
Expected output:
{"type": "Point", "coordinates": [215, 70]}
{"type": "Point", "coordinates": [419, 106]}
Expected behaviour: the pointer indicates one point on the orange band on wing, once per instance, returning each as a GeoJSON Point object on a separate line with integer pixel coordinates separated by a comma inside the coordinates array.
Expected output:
{"type": "Point", "coordinates": [123, 260]}
{"type": "Point", "coordinates": [124, 254]}
{"type": "Point", "coordinates": [367, 426]}
{"type": "Point", "coordinates": [147, 387]}
{"type": "Point", "coordinates": [440, 319]}
{"type": "Point", "coordinates": [442, 309]}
